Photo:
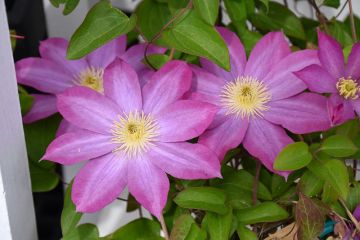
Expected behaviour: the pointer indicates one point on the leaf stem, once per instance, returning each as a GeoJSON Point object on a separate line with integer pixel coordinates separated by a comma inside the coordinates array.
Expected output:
{"type": "Point", "coordinates": [163, 227]}
{"type": "Point", "coordinates": [320, 16]}
{"type": "Point", "coordinates": [171, 55]}
{"type": "Point", "coordinates": [256, 182]}
{"type": "Point", "coordinates": [342, 9]}
{"type": "Point", "coordinates": [352, 22]}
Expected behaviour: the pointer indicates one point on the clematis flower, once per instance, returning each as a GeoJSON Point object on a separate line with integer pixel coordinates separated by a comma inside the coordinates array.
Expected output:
{"type": "Point", "coordinates": [258, 98]}
{"type": "Point", "coordinates": [333, 76]}
{"type": "Point", "coordinates": [133, 136]}
{"type": "Point", "coordinates": [53, 73]}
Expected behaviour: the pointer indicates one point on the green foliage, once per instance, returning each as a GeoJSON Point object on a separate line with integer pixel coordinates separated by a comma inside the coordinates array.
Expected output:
{"type": "Point", "coordinates": [245, 234]}
{"type": "Point", "coordinates": [69, 5]}
{"type": "Point", "coordinates": [293, 157]}
{"type": "Point", "coordinates": [239, 10]}
{"type": "Point", "coordinates": [156, 60]}
{"type": "Point", "coordinates": [26, 100]}
{"type": "Point", "coordinates": [207, 9]}
{"type": "Point", "coordinates": [338, 146]}
{"type": "Point", "coordinates": [218, 226]}
{"type": "Point", "coordinates": [310, 185]}
{"type": "Point", "coordinates": [185, 228]}
{"type": "Point", "coordinates": [85, 231]}
{"type": "Point", "coordinates": [263, 212]}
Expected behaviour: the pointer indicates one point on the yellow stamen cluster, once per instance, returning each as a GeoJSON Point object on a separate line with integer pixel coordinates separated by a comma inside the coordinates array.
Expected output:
{"type": "Point", "coordinates": [245, 97]}
{"type": "Point", "coordinates": [91, 78]}
{"type": "Point", "coordinates": [134, 133]}
{"type": "Point", "coordinates": [348, 88]}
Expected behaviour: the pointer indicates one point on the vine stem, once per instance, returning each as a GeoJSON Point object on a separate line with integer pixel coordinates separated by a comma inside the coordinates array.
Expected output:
{"type": "Point", "coordinates": [163, 227]}
{"type": "Point", "coordinates": [320, 16]}
{"type": "Point", "coordinates": [352, 22]}
{"type": "Point", "coordinates": [351, 216]}
{"type": "Point", "coordinates": [256, 182]}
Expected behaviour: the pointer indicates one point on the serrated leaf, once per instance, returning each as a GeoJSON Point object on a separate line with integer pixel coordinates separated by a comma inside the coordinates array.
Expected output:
{"type": "Point", "coordinates": [263, 212]}
{"type": "Point", "coordinates": [69, 216]}
{"type": "Point", "coordinates": [338, 146]}
{"type": "Point", "coordinates": [207, 9]}
{"type": "Point", "coordinates": [203, 198]}
{"type": "Point", "coordinates": [294, 156]}
{"type": "Point", "coordinates": [85, 231]}
{"type": "Point", "coordinates": [218, 226]}
{"type": "Point", "coordinates": [102, 24]}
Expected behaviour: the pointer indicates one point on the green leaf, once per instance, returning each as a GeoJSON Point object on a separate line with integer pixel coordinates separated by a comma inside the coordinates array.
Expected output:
{"type": "Point", "coordinates": [218, 226]}
{"type": "Point", "coordinates": [294, 156]}
{"type": "Point", "coordinates": [69, 216]}
{"type": "Point", "coordinates": [139, 229]}
{"type": "Point", "coordinates": [70, 5]}
{"type": "Point", "coordinates": [181, 227]}
{"type": "Point", "coordinates": [310, 185]}
{"type": "Point", "coordinates": [196, 233]}
{"type": "Point", "coordinates": [349, 129]}
{"type": "Point", "coordinates": [157, 60]}
{"type": "Point", "coordinates": [334, 172]}
{"type": "Point", "coordinates": [263, 212]}
{"type": "Point", "coordinates": [338, 31]}
{"type": "Point", "coordinates": [338, 146]}
{"type": "Point", "coordinates": [152, 16]}
{"type": "Point", "coordinates": [42, 180]}
{"type": "Point", "coordinates": [265, 3]}
{"type": "Point", "coordinates": [207, 9]}
{"type": "Point", "coordinates": [245, 234]}
{"type": "Point", "coordinates": [354, 197]}
{"type": "Point", "coordinates": [238, 9]}
{"type": "Point", "coordinates": [329, 195]}
{"type": "Point", "coordinates": [85, 231]}
{"type": "Point", "coordinates": [26, 100]}
{"type": "Point", "coordinates": [203, 198]}
{"type": "Point", "coordinates": [279, 18]}
{"type": "Point", "coordinates": [332, 3]}
{"type": "Point", "coordinates": [310, 218]}
{"type": "Point", "coordinates": [56, 3]}
{"type": "Point", "coordinates": [248, 38]}
{"type": "Point", "coordinates": [131, 204]}
{"type": "Point", "coordinates": [102, 24]}
{"type": "Point", "coordinates": [189, 35]}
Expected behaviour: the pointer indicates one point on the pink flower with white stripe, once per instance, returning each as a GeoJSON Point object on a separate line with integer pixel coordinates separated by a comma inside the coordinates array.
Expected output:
{"type": "Point", "coordinates": [333, 76]}
{"type": "Point", "coordinates": [52, 73]}
{"type": "Point", "coordinates": [258, 98]}
{"type": "Point", "coordinates": [133, 136]}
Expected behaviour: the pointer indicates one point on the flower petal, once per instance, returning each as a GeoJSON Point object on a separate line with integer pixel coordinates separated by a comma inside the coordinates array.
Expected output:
{"type": "Point", "coordinates": [88, 109]}
{"type": "Point", "coordinates": [99, 182]}
{"type": "Point", "coordinates": [226, 136]}
{"type": "Point", "coordinates": [185, 160]}
{"type": "Point", "coordinates": [281, 81]}
{"type": "Point", "coordinates": [340, 110]}
{"type": "Point", "coordinates": [184, 120]}
{"type": "Point", "coordinates": [81, 145]}
{"type": "Point", "coordinates": [317, 79]}
{"type": "Point", "coordinates": [43, 107]}
{"type": "Point", "coordinates": [55, 49]}
{"type": "Point", "coordinates": [103, 56]}
{"type": "Point", "coordinates": [206, 83]}
{"type": "Point", "coordinates": [237, 57]}
{"type": "Point", "coordinates": [303, 113]}
{"type": "Point", "coordinates": [121, 84]}
{"type": "Point", "coordinates": [264, 141]}
{"type": "Point", "coordinates": [353, 64]}
{"type": "Point", "coordinates": [44, 75]}
{"type": "Point", "coordinates": [272, 48]}
{"type": "Point", "coordinates": [331, 55]}
{"type": "Point", "coordinates": [148, 184]}
{"type": "Point", "coordinates": [166, 86]}
{"type": "Point", "coordinates": [65, 127]}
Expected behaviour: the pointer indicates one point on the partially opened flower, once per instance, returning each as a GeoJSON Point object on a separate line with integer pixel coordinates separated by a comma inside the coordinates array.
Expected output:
{"type": "Point", "coordinates": [133, 136]}
{"type": "Point", "coordinates": [53, 73]}
{"type": "Point", "coordinates": [259, 97]}
{"type": "Point", "coordinates": [333, 76]}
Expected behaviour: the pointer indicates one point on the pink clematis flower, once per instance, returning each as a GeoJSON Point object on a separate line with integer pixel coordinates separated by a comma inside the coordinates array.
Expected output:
{"type": "Point", "coordinates": [335, 77]}
{"type": "Point", "coordinates": [53, 73]}
{"type": "Point", "coordinates": [133, 136]}
{"type": "Point", "coordinates": [258, 98]}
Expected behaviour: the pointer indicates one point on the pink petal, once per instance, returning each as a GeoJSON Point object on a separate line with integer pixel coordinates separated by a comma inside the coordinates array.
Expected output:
{"type": "Point", "coordinates": [166, 86]}
{"type": "Point", "coordinates": [81, 145]}
{"type": "Point", "coordinates": [145, 76]}
{"type": "Point", "coordinates": [186, 160]}
{"type": "Point", "coordinates": [184, 120]}
{"type": "Point", "coordinates": [88, 109]}
{"type": "Point", "coordinates": [55, 49]}
{"type": "Point", "coordinates": [303, 113]}
{"type": "Point", "coordinates": [44, 75]}
{"type": "Point", "coordinates": [226, 136]}
{"type": "Point", "coordinates": [99, 182]}
{"type": "Point", "coordinates": [264, 141]}
{"type": "Point", "coordinates": [281, 81]}
{"type": "Point", "coordinates": [317, 79]}
{"type": "Point", "coordinates": [121, 84]}
{"type": "Point", "coordinates": [353, 65]}
{"type": "Point", "coordinates": [339, 109]}
{"type": "Point", "coordinates": [43, 107]}
{"type": "Point", "coordinates": [66, 127]}
{"type": "Point", "coordinates": [272, 48]}
{"type": "Point", "coordinates": [356, 212]}
{"type": "Point", "coordinates": [135, 54]}
{"type": "Point", "coordinates": [331, 55]}
{"type": "Point", "coordinates": [206, 83]}
{"type": "Point", "coordinates": [148, 184]}
{"type": "Point", "coordinates": [103, 56]}
{"type": "Point", "coordinates": [237, 57]}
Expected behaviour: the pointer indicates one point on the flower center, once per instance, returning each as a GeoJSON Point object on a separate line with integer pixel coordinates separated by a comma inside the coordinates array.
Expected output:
{"type": "Point", "coordinates": [348, 88]}
{"type": "Point", "coordinates": [91, 78]}
{"type": "Point", "coordinates": [245, 97]}
{"type": "Point", "coordinates": [134, 133]}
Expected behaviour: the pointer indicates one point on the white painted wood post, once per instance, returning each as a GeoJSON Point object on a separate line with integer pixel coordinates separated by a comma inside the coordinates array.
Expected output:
{"type": "Point", "coordinates": [17, 218]}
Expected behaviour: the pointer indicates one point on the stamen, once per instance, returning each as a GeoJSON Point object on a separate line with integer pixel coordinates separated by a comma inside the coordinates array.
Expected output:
{"type": "Point", "coordinates": [245, 97]}
{"type": "Point", "coordinates": [134, 133]}
{"type": "Point", "coordinates": [92, 78]}
{"type": "Point", "coordinates": [348, 88]}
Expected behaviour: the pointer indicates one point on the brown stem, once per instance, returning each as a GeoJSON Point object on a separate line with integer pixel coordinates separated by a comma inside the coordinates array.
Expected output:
{"type": "Point", "coordinates": [163, 227]}
{"type": "Point", "coordinates": [256, 182]}
{"type": "Point", "coordinates": [342, 9]}
{"type": "Point", "coordinates": [350, 215]}
{"type": "Point", "coordinates": [140, 212]}
{"type": "Point", "coordinates": [320, 16]}
{"type": "Point", "coordinates": [352, 22]}
{"type": "Point", "coordinates": [171, 56]}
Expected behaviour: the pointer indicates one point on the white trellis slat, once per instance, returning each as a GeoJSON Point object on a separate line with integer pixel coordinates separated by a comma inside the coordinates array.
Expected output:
{"type": "Point", "coordinates": [17, 219]}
